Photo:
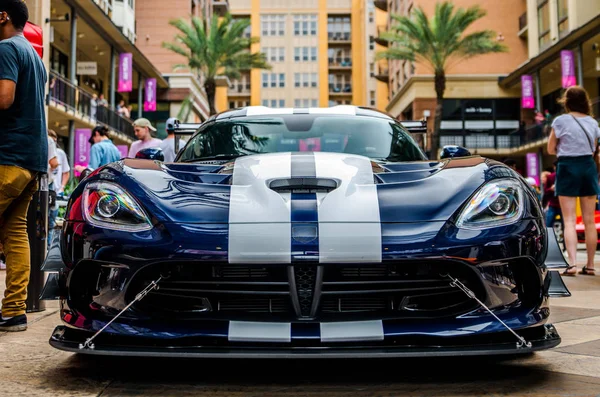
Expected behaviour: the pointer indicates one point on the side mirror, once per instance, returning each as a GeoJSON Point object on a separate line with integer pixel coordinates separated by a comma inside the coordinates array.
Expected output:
{"type": "Point", "coordinates": [151, 153]}
{"type": "Point", "coordinates": [451, 151]}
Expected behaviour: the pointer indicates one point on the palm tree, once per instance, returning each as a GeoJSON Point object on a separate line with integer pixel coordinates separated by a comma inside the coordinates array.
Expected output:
{"type": "Point", "coordinates": [437, 42]}
{"type": "Point", "coordinates": [220, 49]}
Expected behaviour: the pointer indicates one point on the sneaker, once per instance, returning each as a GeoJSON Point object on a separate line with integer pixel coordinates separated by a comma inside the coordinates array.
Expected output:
{"type": "Point", "coordinates": [14, 324]}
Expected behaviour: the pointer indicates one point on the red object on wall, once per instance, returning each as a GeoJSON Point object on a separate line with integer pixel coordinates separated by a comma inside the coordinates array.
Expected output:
{"type": "Point", "coordinates": [35, 35]}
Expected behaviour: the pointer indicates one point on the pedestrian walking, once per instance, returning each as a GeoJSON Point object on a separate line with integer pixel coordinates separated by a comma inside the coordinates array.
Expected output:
{"type": "Point", "coordinates": [23, 153]}
{"type": "Point", "coordinates": [574, 139]}
{"type": "Point", "coordinates": [60, 178]}
{"type": "Point", "coordinates": [102, 152]}
{"type": "Point", "coordinates": [142, 128]}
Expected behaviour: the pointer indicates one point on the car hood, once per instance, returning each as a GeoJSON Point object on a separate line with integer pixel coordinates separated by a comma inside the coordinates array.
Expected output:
{"type": "Point", "coordinates": [262, 188]}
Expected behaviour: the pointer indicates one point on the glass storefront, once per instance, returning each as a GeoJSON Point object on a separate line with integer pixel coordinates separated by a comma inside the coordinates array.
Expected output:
{"type": "Point", "coordinates": [481, 123]}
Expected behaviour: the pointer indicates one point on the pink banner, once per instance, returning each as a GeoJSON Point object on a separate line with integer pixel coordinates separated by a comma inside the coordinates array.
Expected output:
{"type": "Point", "coordinates": [150, 96]}
{"type": "Point", "coordinates": [533, 170]}
{"type": "Point", "coordinates": [124, 149]}
{"type": "Point", "coordinates": [125, 72]}
{"type": "Point", "coordinates": [527, 100]}
{"type": "Point", "coordinates": [568, 68]}
{"type": "Point", "coordinates": [82, 148]}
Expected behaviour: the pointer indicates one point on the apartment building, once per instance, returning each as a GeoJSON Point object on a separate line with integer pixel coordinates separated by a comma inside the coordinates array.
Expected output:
{"type": "Point", "coordinates": [153, 29]}
{"type": "Point", "coordinates": [320, 50]}
{"type": "Point", "coordinates": [478, 112]}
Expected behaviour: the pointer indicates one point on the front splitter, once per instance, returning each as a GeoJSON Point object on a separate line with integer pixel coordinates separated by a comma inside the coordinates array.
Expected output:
{"type": "Point", "coordinates": [68, 339]}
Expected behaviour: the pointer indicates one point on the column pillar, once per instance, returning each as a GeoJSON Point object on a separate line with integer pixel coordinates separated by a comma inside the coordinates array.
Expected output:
{"type": "Point", "coordinates": [538, 91]}
{"type": "Point", "coordinates": [71, 145]}
{"type": "Point", "coordinates": [73, 53]}
{"type": "Point", "coordinates": [112, 77]}
{"type": "Point", "coordinates": [140, 96]}
{"type": "Point", "coordinates": [580, 64]}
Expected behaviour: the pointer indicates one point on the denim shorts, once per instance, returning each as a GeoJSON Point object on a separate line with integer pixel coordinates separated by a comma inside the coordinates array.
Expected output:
{"type": "Point", "coordinates": [576, 177]}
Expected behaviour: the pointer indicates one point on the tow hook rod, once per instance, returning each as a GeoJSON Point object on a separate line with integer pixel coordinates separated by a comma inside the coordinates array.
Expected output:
{"type": "Point", "coordinates": [88, 342]}
{"type": "Point", "coordinates": [522, 343]}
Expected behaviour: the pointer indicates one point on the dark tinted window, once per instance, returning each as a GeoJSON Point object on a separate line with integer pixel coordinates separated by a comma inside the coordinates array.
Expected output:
{"type": "Point", "coordinates": [372, 137]}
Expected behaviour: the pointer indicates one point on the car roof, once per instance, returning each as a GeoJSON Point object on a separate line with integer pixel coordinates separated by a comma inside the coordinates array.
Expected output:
{"type": "Point", "coordinates": [339, 110]}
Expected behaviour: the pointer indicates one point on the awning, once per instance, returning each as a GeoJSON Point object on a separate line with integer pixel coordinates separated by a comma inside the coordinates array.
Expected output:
{"type": "Point", "coordinates": [101, 23]}
{"type": "Point", "coordinates": [575, 37]}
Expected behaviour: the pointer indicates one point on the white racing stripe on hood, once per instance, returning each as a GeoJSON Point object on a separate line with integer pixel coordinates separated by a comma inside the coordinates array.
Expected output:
{"type": "Point", "coordinates": [259, 218]}
{"type": "Point", "coordinates": [349, 220]}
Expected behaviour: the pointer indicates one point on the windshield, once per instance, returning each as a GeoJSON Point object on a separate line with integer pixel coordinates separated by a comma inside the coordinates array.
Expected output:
{"type": "Point", "coordinates": [376, 138]}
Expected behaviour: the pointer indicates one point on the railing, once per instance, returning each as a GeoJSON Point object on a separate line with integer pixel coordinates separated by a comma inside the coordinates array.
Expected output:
{"type": "Point", "coordinates": [523, 21]}
{"type": "Point", "coordinates": [339, 88]}
{"type": "Point", "coordinates": [340, 61]}
{"type": "Point", "coordinates": [77, 101]}
{"type": "Point", "coordinates": [338, 36]}
{"type": "Point", "coordinates": [240, 88]}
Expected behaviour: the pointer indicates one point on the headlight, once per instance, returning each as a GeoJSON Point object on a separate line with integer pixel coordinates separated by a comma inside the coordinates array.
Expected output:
{"type": "Point", "coordinates": [498, 203]}
{"type": "Point", "coordinates": [109, 206]}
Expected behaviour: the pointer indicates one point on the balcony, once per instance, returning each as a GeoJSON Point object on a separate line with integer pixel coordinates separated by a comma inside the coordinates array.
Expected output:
{"type": "Point", "coordinates": [239, 89]}
{"type": "Point", "coordinates": [340, 89]}
{"type": "Point", "coordinates": [382, 74]}
{"type": "Point", "coordinates": [78, 104]}
{"type": "Point", "coordinates": [381, 4]}
{"type": "Point", "coordinates": [339, 38]}
{"type": "Point", "coordinates": [340, 63]}
{"type": "Point", "coordinates": [380, 40]}
{"type": "Point", "coordinates": [523, 26]}
{"type": "Point", "coordinates": [220, 7]}
{"type": "Point", "coordinates": [105, 6]}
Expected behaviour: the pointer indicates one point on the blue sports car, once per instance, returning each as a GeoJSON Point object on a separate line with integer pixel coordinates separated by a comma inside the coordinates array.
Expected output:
{"type": "Point", "coordinates": [319, 232]}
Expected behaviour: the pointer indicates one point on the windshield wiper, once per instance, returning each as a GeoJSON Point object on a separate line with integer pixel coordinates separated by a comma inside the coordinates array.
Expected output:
{"type": "Point", "coordinates": [215, 157]}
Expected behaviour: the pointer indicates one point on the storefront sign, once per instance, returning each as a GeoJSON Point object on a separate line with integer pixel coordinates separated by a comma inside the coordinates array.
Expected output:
{"type": "Point", "coordinates": [125, 72]}
{"type": "Point", "coordinates": [568, 68]}
{"type": "Point", "coordinates": [124, 149]}
{"type": "Point", "coordinates": [527, 100]}
{"type": "Point", "coordinates": [533, 170]}
{"type": "Point", "coordinates": [87, 68]}
{"type": "Point", "coordinates": [82, 147]}
{"type": "Point", "coordinates": [478, 110]}
{"type": "Point", "coordinates": [150, 96]}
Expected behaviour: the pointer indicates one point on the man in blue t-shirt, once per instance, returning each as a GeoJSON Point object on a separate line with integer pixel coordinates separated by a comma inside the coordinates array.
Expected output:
{"type": "Point", "coordinates": [102, 152]}
{"type": "Point", "coordinates": [23, 153]}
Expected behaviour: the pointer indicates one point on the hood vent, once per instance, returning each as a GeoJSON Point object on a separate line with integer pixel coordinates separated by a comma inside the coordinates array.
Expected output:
{"type": "Point", "coordinates": [304, 185]}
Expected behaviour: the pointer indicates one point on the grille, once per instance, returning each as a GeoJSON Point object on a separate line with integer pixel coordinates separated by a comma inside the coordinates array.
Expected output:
{"type": "Point", "coordinates": [328, 292]}
{"type": "Point", "coordinates": [400, 290]}
{"type": "Point", "coordinates": [253, 305]}
{"type": "Point", "coordinates": [305, 285]}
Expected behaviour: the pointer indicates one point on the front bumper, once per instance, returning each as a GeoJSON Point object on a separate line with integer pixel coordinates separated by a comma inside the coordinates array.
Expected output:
{"type": "Point", "coordinates": [501, 343]}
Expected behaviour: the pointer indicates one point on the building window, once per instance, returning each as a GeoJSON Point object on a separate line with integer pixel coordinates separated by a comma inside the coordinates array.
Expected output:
{"type": "Point", "coordinates": [274, 54]}
{"type": "Point", "coordinates": [371, 18]}
{"type": "Point", "coordinates": [372, 97]}
{"type": "Point", "coordinates": [338, 28]}
{"type": "Point", "coordinates": [265, 102]}
{"type": "Point", "coordinates": [544, 24]}
{"type": "Point", "coordinates": [273, 80]}
{"type": "Point", "coordinates": [306, 103]}
{"type": "Point", "coordinates": [371, 43]}
{"type": "Point", "coordinates": [305, 80]}
{"type": "Point", "coordinates": [372, 69]}
{"type": "Point", "coordinates": [305, 54]}
{"type": "Point", "coordinates": [305, 25]}
{"type": "Point", "coordinates": [272, 24]}
{"type": "Point", "coordinates": [563, 18]}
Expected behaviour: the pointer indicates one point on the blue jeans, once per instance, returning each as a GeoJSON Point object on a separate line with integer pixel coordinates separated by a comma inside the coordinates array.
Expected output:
{"type": "Point", "coordinates": [52, 214]}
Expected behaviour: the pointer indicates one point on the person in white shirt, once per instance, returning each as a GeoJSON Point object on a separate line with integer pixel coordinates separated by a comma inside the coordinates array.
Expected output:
{"type": "Point", "coordinates": [168, 144]}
